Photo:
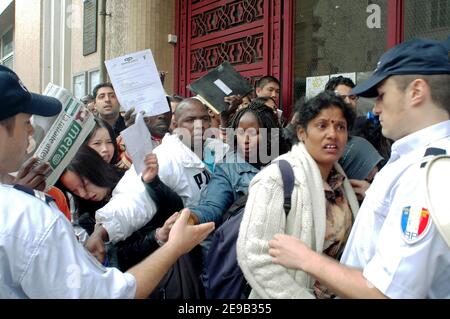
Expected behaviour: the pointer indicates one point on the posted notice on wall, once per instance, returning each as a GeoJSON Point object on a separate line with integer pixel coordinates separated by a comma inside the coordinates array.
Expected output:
{"type": "Point", "coordinates": [137, 83]}
{"type": "Point", "coordinates": [315, 85]}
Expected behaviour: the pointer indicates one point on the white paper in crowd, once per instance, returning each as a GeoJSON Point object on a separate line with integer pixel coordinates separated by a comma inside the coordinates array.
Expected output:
{"type": "Point", "coordinates": [315, 85]}
{"type": "Point", "coordinates": [65, 136]}
{"type": "Point", "coordinates": [137, 83]}
{"type": "Point", "coordinates": [138, 142]}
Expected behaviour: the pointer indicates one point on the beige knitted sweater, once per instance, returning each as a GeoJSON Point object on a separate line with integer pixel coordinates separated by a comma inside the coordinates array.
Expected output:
{"type": "Point", "coordinates": [264, 217]}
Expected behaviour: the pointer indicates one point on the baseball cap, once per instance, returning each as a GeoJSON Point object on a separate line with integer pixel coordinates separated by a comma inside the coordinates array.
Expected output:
{"type": "Point", "coordinates": [15, 98]}
{"type": "Point", "coordinates": [417, 56]}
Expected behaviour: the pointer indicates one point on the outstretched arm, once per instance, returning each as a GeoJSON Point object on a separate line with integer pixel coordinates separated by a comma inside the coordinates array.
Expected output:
{"type": "Point", "coordinates": [182, 239]}
{"type": "Point", "coordinates": [344, 281]}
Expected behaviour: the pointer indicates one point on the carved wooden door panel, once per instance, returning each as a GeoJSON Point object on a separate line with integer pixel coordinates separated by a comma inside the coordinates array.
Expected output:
{"type": "Point", "coordinates": [247, 33]}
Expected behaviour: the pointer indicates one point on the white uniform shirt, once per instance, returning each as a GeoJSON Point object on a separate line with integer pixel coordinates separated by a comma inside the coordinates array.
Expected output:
{"type": "Point", "coordinates": [131, 207]}
{"type": "Point", "coordinates": [393, 238]}
{"type": "Point", "coordinates": [40, 256]}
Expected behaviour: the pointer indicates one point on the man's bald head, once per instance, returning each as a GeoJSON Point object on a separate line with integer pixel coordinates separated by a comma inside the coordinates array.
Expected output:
{"type": "Point", "coordinates": [187, 104]}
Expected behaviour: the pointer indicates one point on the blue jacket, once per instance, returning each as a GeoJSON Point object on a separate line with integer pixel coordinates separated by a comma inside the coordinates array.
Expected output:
{"type": "Point", "coordinates": [230, 181]}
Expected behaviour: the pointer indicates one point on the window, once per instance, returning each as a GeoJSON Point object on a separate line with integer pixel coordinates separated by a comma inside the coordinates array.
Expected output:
{"type": "Point", "coordinates": [89, 26]}
{"type": "Point", "coordinates": [427, 19]}
{"type": "Point", "coordinates": [334, 37]}
{"type": "Point", "coordinates": [439, 14]}
{"type": "Point", "coordinates": [79, 85]}
{"type": "Point", "coordinates": [94, 79]}
{"type": "Point", "coordinates": [7, 49]}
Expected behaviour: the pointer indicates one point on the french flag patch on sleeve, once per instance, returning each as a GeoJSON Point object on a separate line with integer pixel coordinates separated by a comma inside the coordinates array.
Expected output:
{"type": "Point", "coordinates": [415, 223]}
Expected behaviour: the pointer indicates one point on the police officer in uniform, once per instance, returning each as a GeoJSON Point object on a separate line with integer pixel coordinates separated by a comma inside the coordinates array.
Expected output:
{"type": "Point", "coordinates": [394, 249]}
{"type": "Point", "coordinates": [39, 253]}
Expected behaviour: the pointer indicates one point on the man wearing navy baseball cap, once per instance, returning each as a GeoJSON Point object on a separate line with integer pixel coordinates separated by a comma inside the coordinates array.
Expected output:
{"type": "Point", "coordinates": [40, 256]}
{"type": "Point", "coordinates": [16, 107]}
{"type": "Point", "coordinates": [16, 98]}
{"type": "Point", "coordinates": [394, 249]}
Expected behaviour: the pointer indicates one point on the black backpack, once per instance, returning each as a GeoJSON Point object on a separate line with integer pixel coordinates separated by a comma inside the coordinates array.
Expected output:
{"type": "Point", "coordinates": [223, 278]}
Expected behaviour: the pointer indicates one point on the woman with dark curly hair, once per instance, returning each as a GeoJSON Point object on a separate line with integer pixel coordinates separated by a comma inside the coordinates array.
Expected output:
{"type": "Point", "coordinates": [256, 140]}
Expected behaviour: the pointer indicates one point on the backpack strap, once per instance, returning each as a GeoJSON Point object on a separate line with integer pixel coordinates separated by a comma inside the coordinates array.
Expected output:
{"type": "Point", "coordinates": [235, 208]}
{"type": "Point", "coordinates": [287, 174]}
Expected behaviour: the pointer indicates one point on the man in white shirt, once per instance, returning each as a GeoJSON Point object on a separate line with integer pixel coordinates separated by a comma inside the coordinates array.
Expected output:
{"type": "Point", "coordinates": [394, 250]}
{"type": "Point", "coordinates": [40, 256]}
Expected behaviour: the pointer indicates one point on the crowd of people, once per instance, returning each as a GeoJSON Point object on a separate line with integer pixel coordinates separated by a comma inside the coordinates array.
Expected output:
{"type": "Point", "coordinates": [357, 225]}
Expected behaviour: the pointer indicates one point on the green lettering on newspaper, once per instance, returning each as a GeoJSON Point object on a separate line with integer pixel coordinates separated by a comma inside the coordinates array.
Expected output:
{"type": "Point", "coordinates": [65, 145]}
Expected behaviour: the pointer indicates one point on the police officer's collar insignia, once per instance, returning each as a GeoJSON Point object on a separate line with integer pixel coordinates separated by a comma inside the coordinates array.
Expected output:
{"type": "Point", "coordinates": [415, 223]}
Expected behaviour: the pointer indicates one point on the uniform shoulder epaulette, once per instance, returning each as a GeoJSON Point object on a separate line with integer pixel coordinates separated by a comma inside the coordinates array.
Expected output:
{"type": "Point", "coordinates": [40, 195]}
{"type": "Point", "coordinates": [431, 152]}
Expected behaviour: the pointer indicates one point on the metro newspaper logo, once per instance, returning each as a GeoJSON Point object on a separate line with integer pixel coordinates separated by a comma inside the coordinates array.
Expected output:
{"type": "Point", "coordinates": [63, 148]}
{"type": "Point", "coordinates": [66, 133]}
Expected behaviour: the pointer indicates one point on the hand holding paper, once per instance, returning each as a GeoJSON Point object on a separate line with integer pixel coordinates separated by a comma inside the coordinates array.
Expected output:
{"type": "Point", "coordinates": [138, 142]}
{"type": "Point", "coordinates": [151, 168]}
{"type": "Point", "coordinates": [137, 83]}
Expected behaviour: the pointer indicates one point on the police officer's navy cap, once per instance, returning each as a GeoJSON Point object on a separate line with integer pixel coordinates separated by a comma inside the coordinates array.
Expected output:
{"type": "Point", "coordinates": [425, 57]}
{"type": "Point", "coordinates": [15, 98]}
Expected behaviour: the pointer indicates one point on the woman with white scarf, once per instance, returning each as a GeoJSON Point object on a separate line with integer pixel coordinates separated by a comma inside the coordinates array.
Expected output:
{"type": "Point", "coordinates": [323, 203]}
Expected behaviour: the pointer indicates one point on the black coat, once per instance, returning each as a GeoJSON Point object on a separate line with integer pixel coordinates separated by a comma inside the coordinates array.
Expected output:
{"type": "Point", "coordinates": [143, 242]}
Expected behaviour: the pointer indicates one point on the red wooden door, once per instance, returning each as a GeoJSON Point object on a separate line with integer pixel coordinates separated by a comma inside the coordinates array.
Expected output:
{"type": "Point", "coordinates": [247, 33]}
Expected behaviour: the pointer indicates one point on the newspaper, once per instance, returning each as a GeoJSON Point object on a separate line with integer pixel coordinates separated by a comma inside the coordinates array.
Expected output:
{"type": "Point", "coordinates": [67, 133]}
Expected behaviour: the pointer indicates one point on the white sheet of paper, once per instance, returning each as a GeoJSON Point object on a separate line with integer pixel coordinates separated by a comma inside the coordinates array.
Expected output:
{"type": "Point", "coordinates": [137, 84]}
{"type": "Point", "coordinates": [222, 86]}
{"type": "Point", "coordinates": [138, 142]}
{"type": "Point", "coordinates": [315, 85]}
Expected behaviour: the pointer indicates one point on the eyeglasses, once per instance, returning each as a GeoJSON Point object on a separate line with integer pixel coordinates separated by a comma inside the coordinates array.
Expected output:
{"type": "Point", "coordinates": [350, 97]}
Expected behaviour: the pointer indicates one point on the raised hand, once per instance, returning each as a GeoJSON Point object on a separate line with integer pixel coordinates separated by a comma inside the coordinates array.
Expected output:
{"type": "Point", "coordinates": [129, 117]}
{"type": "Point", "coordinates": [151, 168]}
